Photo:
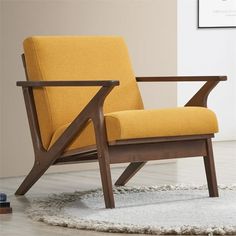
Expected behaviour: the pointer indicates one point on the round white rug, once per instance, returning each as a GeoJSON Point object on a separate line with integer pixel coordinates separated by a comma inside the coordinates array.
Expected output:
{"type": "Point", "coordinates": [179, 209]}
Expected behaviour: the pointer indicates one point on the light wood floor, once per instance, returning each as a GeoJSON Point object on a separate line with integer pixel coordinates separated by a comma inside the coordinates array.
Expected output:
{"type": "Point", "coordinates": [184, 171]}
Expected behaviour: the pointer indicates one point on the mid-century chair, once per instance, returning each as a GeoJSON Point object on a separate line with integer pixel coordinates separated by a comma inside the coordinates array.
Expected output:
{"type": "Point", "coordinates": [73, 120]}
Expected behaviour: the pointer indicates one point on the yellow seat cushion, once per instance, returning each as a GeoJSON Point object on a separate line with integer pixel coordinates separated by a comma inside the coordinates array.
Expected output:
{"type": "Point", "coordinates": [132, 124]}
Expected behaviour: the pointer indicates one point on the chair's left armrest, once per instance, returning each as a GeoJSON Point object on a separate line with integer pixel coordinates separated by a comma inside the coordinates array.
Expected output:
{"type": "Point", "coordinates": [70, 83]}
{"type": "Point", "coordinates": [200, 98]}
{"type": "Point", "coordinates": [93, 110]}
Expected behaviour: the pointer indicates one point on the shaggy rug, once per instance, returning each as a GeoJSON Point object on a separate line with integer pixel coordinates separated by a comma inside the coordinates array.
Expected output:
{"type": "Point", "coordinates": [178, 209]}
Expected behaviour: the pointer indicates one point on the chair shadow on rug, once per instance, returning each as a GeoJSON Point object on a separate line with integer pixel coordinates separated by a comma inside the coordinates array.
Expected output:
{"type": "Point", "coordinates": [71, 120]}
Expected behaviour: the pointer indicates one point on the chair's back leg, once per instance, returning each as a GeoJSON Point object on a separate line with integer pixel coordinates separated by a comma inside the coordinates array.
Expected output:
{"type": "Point", "coordinates": [129, 172]}
{"type": "Point", "coordinates": [210, 170]}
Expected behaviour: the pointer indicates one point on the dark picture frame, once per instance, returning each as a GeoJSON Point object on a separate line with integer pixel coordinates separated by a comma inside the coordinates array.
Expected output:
{"type": "Point", "coordinates": [217, 14]}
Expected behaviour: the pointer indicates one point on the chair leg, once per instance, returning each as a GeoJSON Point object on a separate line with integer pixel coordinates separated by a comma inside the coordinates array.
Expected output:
{"type": "Point", "coordinates": [36, 172]}
{"type": "Point", "coordinates": [105, 172]}
{"type": "Point", "coordinates": [103, 157]}
{"type": "Point", "coordinates": [129, 172]}
{"type": "Point", "coordinates": [210, 170]}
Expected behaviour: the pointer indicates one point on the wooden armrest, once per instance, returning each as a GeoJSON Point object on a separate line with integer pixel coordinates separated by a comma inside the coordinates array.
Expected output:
{"type": "Point", "coordinates": [180, 78]}
{"type": "Point", "coordinates": [103, 83]}
{"type": "Point", "coordinates": [200, 98]}
{"type": "Point", "coordinates": [93, 110]}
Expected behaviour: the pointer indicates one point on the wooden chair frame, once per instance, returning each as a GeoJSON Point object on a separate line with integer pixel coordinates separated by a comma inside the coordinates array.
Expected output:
{"type": "Point", "coordinates": [134, 151]}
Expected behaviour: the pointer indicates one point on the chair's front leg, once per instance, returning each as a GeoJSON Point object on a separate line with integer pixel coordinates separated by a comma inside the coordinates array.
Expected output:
{"type": "Point", "coordinates": [210, 170]}
{"type": "Point", "coordinates": [42, 161]}
{"type": "Point", "coordinates": [103, 158]}
{"type": "Point", "coordinates": [41, 164]}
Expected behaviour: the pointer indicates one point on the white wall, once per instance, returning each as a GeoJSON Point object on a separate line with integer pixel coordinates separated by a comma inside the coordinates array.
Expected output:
{"type": "Point", "coordinates": [148, 26]}
{"type": "Point", "coordinates": [208, 52]}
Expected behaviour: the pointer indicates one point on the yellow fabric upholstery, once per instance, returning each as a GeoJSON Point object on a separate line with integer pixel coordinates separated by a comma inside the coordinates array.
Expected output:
{"type": "Point", "coordinates": [78, 58]}
{"type": "Point", "coordinates": [148, 123]}
{"type": "Point", "coordinates": [100, 58]}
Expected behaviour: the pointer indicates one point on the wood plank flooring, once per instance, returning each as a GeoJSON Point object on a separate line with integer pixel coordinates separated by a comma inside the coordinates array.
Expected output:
{"type": "Point", "coordinates": [183, 171]}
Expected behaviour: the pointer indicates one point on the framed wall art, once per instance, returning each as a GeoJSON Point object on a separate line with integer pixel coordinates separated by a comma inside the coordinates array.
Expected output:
{"type": "Point", "coordinates": [216, 13]}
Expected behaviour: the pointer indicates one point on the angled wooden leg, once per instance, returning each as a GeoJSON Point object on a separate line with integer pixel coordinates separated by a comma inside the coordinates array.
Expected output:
{"type": "Point", "coordinates": [42, 162]}
{"type": "Point", "coordinates": [210, 170]}
{"type": "Point", "coordinates": [36, 172]}
{"type": "Point", "coordinates": [129, 172]}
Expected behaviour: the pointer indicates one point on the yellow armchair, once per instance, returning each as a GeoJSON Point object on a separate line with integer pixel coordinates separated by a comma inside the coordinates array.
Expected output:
{"type": "Point", "coordinates": [72, 120]}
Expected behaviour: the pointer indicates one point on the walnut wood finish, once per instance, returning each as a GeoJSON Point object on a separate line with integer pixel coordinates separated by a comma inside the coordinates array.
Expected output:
{"type": "Point", "coordinates": [157, 151]}
{"type": "Point", "coordinates": [129, 172]}
{"type": "Point", "coordinates": [210, 170]}
{"type": "Point", "coordinates": [135, 151]}
{"type": "Point", "coordinates": [68, 83]}
{"type": "Point", "coordinates": [200, 98]}
{"type": "Point", "coordinates": [180, 78]}
{"type": "Point", "coordinates": [159, 139]}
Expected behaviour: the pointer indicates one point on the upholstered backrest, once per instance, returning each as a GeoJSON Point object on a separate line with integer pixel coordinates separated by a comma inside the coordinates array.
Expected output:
{"type": "Point", "coordinates": [78, 58]}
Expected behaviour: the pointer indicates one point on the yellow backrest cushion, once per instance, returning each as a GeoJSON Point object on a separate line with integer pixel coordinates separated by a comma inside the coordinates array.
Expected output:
{"type": "Point", "coordinates": [78, 58]}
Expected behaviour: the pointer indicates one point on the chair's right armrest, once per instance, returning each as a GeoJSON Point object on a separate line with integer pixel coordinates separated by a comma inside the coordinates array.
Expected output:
{"type": "Point", "coordinates": [200, 98]}
{"type": "Point", "coordinates": [181, 78]}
